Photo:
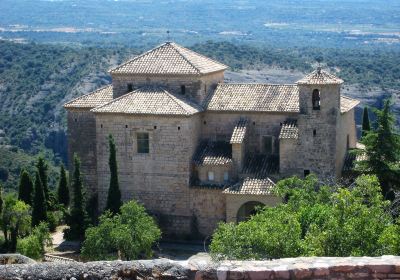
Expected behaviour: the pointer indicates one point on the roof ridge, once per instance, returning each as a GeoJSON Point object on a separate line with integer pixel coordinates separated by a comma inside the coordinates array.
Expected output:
{"type": "Point", "coordinates": [87, 94]}
{"type": "Point", "coordinates": [184, 57]}
{"type": "Point", "coordinates": [170, 95]}
{"type": "Point", "coordinates": [257, 84]}
{"type": "Point", "coordinates": [115, 99]}
{"type": "Point", "coordinates": [199, 54]}
{"type": "Point", "coordinates": [138, 56]}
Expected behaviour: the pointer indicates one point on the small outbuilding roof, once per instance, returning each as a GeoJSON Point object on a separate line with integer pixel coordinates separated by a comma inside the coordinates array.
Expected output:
{"type": "Point", "coordinates": [251, 186]}
{"type": "Point", "coordinates": [169, 59]}
{"type": "Point", "coordinates": [239, 132]}
{"type": "Point", "coordinates": [213, 153]}
{"type": "Point", "coordinates": [347, 103]}
{"type": "Point", "coordinates": [151, 101]}
{"type": "Point", "coordinates": [94, 99]}
{"type": "Point", "coordinates": [289, 130]}
{"type": "Point", "coordinates": [320, 77]}
{"type": "Point", "coordinates": [254, 98]}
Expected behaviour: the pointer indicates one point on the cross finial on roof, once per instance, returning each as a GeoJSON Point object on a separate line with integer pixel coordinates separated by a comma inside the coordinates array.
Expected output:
{"type": "Point", "coordinates": [168, 37]}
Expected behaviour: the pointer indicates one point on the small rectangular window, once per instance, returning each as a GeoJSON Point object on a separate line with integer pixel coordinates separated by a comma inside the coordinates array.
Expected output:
{"type": "Point", "coordinates": [268, 144]}
{"type": "Point", "coordinates": [226, 176]}
{"type": "Point", "coordinates": [211, 176]}
{"type": "Point", "coordinates": [183, 90]}
{"type": "Point", "coordinates": [306, 173]}
{"type": "Point", "coordinates": [130, 87]}
{"type": "Point", "coordinates": [314, 132]}
{"type": "Point", "coordinates": [142, 142]}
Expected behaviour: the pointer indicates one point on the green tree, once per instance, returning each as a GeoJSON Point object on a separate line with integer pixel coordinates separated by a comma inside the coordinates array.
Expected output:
{"type": "Point", "coordinates": [114, 194]}
{"type": "Point", "coordinates": [25, 188]}
{"type": "Point", "coordinates": [128, 234]}
{"type": "Point", "coordinates": [42, 169]}
{"type": "Point", "coordinates": [39, 212]}
{"type": "Point", "coordinates": [382, 151]}
{"type": "Point", "coordinates": [33, 245]}
{"type": "Point", "coordinates": [63, 191]}
{"type": "Point", "coordinates": [366, 124]}
{"type": "Point", "coordinates": [316, 220]}
{"type": "Point", "coordinates": [77, 219]}
{"type": "Point", "coordinates": [15, 221]}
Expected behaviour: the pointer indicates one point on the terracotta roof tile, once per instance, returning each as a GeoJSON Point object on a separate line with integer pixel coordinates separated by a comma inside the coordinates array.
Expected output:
{"type": "Point", "coordinates": [252, 186]}
{"type": "Point", "coordinates": [213, 153]}
{"type": "Point", "coordinates": [239, 132]}
{"type": "Point", "coordinates": [260, 166]}
{"type": "Point", "coordinates": [347, 103]}
{"type": "Point", "coordinates": [150, 100]}
{"type": "Point", "coordinates": [320, 77]}
{"type": "Point", "coordinates": [169, 58]}
{"type": "Point", "coordinates": [289, 130]}
{"type": "Point", "coordinates": [254, 98]}
{"type": "Point", "coordinates": [94, 99]}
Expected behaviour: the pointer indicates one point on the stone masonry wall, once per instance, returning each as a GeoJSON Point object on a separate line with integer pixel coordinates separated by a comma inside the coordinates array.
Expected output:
{"type": "Point", "coordinates": [260, 124]}
{"type": "Point", "coordinates": [197, 87]}
{"type": "Point", "coordinates": [360, 268]}
{"type": "Point", "coordinates": [317, 131]}
{"type": "Point", "coordinates": [82, 141]}
{"type": "Point", "coordinates": [159, 179]}
{"type": "Point", "coordinates": [288, 157]}
{"type": "Point", "coordinates": [235, 201]}
{"type": "Point", "coordinates": [208, 205]}
{"type": "Point", "coordinates": [346, 128]}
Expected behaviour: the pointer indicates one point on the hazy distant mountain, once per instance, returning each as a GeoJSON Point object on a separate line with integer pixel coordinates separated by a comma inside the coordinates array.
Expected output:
{"type": "Point", "coordinates": [138, 22]}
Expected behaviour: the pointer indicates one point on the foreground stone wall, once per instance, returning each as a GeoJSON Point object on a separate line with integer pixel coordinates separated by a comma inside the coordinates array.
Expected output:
{"type": "Point", "coordinates": [386, 267]}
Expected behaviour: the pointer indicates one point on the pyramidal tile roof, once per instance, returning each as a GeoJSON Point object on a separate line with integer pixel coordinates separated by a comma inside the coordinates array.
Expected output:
{"type": "Point", "coordinates": [152, 101]}
{"type": "Point", "coordinates": [94, 99]}
{"type": "Point", "coordinates": [254, 98]}
{"type": "Point", "coordinates": [169, 58]}
{"type": "Point", "coordinates": [320, 77]}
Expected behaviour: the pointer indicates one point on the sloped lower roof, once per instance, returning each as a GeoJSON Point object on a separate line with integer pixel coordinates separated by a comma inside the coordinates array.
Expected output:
{"type": "Point", "coordinates": [169, 58]}
{"type": "Point", "coordinates": [252, 186]}
{"type": "Point", "coordinates": [152, 101]}
{"type": "Point", "coordinates": [347, 103]}
{"type": "Point", "coordinates": [289, 130]}
{"type": "Point", "coordinates": [320, 77]}
{"type": "Point", "coordinates": [94, 99]}
{"type": "Point", "coordinates": [239, 132]}
{"type": "Point", "coordinates": [254, 98]}
{"type": "Point", "coordinates": [213, 153]}
{"type": "Point", "coordinates": [260, 166]}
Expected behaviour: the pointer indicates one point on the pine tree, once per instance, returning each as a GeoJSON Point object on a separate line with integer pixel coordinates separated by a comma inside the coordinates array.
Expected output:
{"type": "Point", "coordinates": [382, 150]}
{"type": "Point", "coordinates": [63, 191]}
{"type": "Point", "coordinates": [42, 169]}
{"type": "Point", "coordinates": [366, 125]}
{"type": "Point", "coordinates": [39, 212]}
{"type": "Point", "coordinates": [77, 219]}
{"type": "Point", "coordinates": [114, 194]}
{"type": "Point", "coordinates": [25, 189]}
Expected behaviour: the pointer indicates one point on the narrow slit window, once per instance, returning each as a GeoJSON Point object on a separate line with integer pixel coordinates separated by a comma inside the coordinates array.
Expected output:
{"type": "Point", "coordinates": [211, 176]}
{"type": "Point", "coordinates": [316, 99]}
{"type": "Point", "coordinates": [143, 143]}
{"type": "Point", "coordinates": [226, 176]}
{"type": "Point", "coordinates": [183, 89]}
{"type": "Point", "coordinates": [130, 87]}
{"type": "Point", "coordinates": [268, 145]}
{"type": "Point", "coordinates": [314, 132]}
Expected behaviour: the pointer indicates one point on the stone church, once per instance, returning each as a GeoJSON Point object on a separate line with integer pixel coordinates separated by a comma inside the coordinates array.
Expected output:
{"type": "Point", "coordinates": [195, 150]}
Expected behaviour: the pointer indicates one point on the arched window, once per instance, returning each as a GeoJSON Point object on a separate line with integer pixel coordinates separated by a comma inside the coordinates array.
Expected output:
{"type": "Point", "coordinates": [316, 99]}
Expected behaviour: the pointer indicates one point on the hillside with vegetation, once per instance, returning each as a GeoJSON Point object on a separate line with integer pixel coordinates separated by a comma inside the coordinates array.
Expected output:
{"type": "Point", "coordinates": [36, 79]}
